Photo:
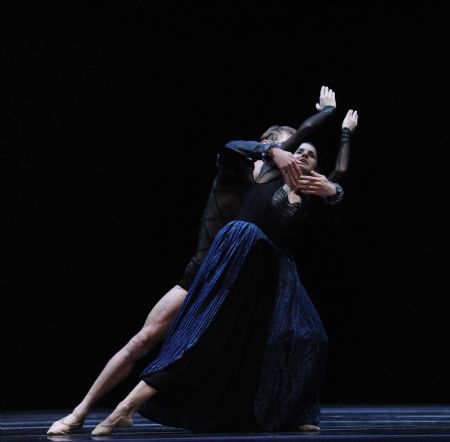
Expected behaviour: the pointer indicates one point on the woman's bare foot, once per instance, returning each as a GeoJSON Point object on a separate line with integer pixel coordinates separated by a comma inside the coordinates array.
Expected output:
{"type": "Point", "coordinates": [66, 425]}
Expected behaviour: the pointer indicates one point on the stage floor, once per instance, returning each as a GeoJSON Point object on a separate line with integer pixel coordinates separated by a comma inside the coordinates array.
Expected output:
{"type": "Point", "coordinates": [339, 422]}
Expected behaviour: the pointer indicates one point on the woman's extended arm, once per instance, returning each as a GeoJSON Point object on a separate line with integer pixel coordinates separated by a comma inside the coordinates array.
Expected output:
{"type": "Point", "coordinates": [342, 160]}
{"type": "Point", "coordinates": [258, 150]}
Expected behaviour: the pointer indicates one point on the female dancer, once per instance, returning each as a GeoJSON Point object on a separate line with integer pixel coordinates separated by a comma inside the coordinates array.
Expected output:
{"type": "Point", "coordinates": [247, 348]}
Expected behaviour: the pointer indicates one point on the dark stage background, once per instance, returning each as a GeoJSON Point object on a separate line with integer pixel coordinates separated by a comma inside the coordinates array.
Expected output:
{"type": "Point", "coordinates": [115, 112]}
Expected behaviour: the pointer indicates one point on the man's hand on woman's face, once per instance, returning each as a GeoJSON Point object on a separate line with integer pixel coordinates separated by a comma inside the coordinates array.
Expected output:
{"type": "Point", "coordinates": [288, 166]}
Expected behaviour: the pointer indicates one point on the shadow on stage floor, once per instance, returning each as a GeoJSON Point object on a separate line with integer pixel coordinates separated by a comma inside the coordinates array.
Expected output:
{"type": "Point", "coordinates": [339, 422]}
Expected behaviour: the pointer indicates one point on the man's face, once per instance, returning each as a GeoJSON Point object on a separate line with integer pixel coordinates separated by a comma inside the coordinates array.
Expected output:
{"type": "Point", "coordinates": [306, 156]}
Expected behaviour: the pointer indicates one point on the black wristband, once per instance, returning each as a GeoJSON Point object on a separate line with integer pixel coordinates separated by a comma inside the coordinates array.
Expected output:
{"type": "Point", "coordinates": [338, 197]}
{"type": "Point", "coordinates": [346, 134]}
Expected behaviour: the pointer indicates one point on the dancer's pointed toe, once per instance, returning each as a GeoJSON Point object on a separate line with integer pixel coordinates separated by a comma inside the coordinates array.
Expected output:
{"type": "Point", "coordinates": [105, 429]}
{"type": "Point", "coordinates": [65, 425]}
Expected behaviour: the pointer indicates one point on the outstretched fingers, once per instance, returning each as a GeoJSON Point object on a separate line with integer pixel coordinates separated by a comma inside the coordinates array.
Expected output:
{"type": "Point", "coordinates": [350, 120]}
{"type": "Point", "coordinates": [327, 97]}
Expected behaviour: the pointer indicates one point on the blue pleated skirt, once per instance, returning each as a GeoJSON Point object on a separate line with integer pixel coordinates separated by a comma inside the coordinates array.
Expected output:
{"type": "Point", "coordinates": [247, 350]}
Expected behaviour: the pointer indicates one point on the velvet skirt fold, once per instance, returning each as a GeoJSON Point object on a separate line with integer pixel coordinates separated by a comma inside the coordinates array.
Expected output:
{"type": "Point", "coordinates": [247, 350]}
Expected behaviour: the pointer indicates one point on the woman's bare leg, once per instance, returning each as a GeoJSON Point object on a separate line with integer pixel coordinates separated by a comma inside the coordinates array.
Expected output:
{"type": "Point", "coordinates": [122, 416]}
{"type": "Point", "coordinates": [121, 364]}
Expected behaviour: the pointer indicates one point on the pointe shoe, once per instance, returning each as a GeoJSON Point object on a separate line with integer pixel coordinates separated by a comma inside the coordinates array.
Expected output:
{"type": "Point", "coordinates": [106, 429]}
{"type": "Point", "coordinates": [62, 427]}
{"type": "Point", "coordinates": [308, 427]}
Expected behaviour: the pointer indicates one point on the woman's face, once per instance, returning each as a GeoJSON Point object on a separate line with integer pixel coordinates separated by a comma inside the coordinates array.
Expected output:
{"type": "Point", "coordinates": [306, 156]}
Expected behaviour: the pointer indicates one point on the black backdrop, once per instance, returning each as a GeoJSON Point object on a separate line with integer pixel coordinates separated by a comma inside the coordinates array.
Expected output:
{"type": "Point", "coordinates": [114, 114]}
